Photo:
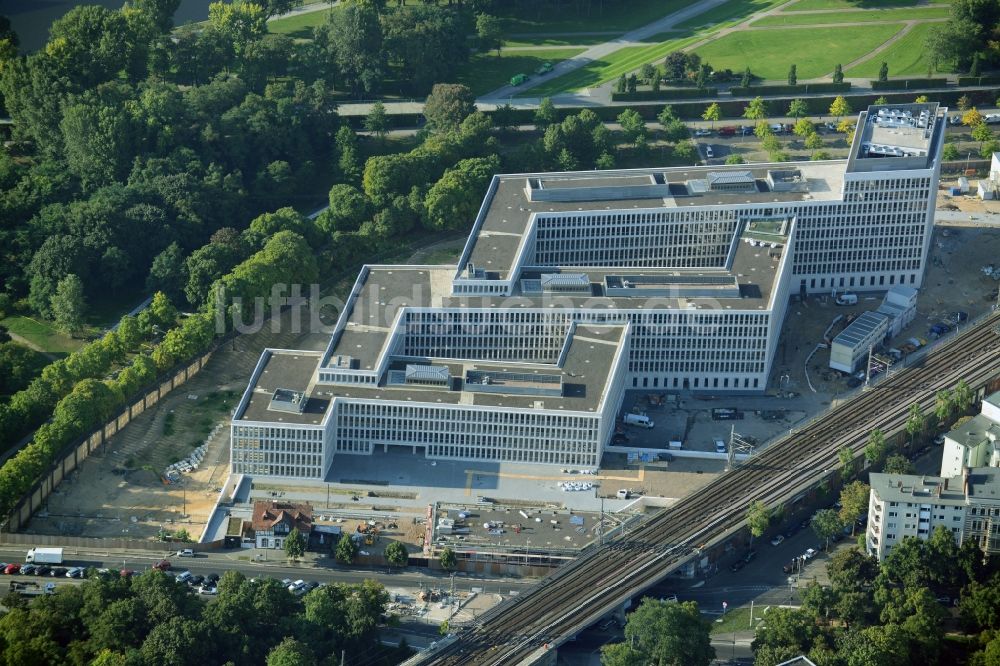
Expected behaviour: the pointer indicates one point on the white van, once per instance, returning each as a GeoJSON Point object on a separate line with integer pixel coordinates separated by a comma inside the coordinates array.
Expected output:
{"type": "Point", "coordinates": [675, 444]}
{"type": "Point", "coordinates": [847, 299]}
{"type": "Point", "coordinates": [623, 494]}
{"type": "Point", "coordinates": [720, 446]}
{"type": "Point", "coordinates": [640, 420]}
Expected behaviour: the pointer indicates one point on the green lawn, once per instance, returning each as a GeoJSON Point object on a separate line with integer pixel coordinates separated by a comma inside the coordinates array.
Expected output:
{"type": "Point", "coordinates": [42, 334]}
{"type": "Point", "coordinates": [564, 40]}
{"type": "Point", "coordinates": [485, 71]}
{"type": "Point", "coordinates": [609, 67]}
{"type": "Point", "coordinates": [732, 11]}
{"type": "Point", "coordinates": [808, 5]}
{"type": "Point", "coordinates": [736, 619]}
{"type": "Point", "coordinates": [769, 53]}
{"type": "Point", "coordinates": [639, 13]}
{"type": "Point", "coordinates": [853, 17]}
{"type": "Point", "coordinates": [905, 56]}
{"type": "Point", "coordinates": [299, 26]}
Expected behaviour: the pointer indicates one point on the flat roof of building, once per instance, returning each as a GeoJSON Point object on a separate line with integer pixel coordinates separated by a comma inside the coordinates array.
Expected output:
{"type": "Point", "coordinates": [285, 371]}
{"type": "Point", "coordinates": [860, 329]}
{"type": "Point", "coordinates": [584, 374]}
{"type": "Point", "coordinates": [975, 431]}
{"type": "Point", "coordinates": [545, 529]}
{"type": "Point", "coordinates": [495, 248]}
{"type": "Point", "coordinates": [984, 485]}
{"type": "Point", "coordinates": [897, 136]}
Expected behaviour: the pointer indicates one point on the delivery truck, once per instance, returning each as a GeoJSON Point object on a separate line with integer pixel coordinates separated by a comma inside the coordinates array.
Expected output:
{"type": "Point", "coordinates": [44, 556]}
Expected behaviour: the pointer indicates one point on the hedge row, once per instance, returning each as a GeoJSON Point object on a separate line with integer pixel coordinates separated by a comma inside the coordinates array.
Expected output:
{"type": "Point", "coordinates": [909, 84]}
{"type": "Point", "coordinates": [978, 80]}
{"type": "Point", "coordinates": [663, 94]}
{"type": "Point", "coordinates": [753, 91]}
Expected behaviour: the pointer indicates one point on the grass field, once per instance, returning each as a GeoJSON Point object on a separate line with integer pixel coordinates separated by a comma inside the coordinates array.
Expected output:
{"type": "Point", "coordinates": [640, 12]}
{"type": "Point", "coordinates": [732, 11]}
{"type": "Point", "coordinates": [737, 619]}
{"type": "Point", "coordinates": [809, 5]}
{"type": "Point", "coordinates": [485, 72]}
{"type": "Point", "coordinates": [905, 57]}
{"type": "Point", "coordinates": [565, 40]}
{"type": "Point", "coordinates": [769, 53]}
{"type": "Point", "coordinates": [42, 334]}
{"type": "Point", "coordinates": [609, 67]}
{"type": "Point", "coordinates": [299, 26]}
{"type": "Point", "coordinates": [799, 18]}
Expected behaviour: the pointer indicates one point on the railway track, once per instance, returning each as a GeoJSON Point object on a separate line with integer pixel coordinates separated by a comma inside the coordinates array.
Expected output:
{"type": "Point", "coordinates": [524, 627]}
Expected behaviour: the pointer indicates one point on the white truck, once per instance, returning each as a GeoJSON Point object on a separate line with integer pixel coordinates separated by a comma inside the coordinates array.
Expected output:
{"type": "Point", "coordinates": [640, 420]}
{"type": "Point", "coordinates": [44, 556]}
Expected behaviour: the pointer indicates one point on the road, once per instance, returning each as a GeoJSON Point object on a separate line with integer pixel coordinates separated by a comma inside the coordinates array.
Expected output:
{"type": "Point", "coordinates": [326, 571]}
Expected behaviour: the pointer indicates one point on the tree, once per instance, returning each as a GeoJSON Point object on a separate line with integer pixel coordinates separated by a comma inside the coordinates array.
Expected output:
{"type": "Point", "coordinates": [161, 311]}
{"type": "Point", "coordinates": [735, 158]}
{"type": "Point", "coordinates": [68, 305]}
{"type": "Point", "coordinates": [396, 554]}
{"type": "Point", "coordinates": [838, 73]}
{"type": "Point", "coordinates": [756, 109]}
{"type": "Point", "coordinates": [291, 652]}
{"type": "Point", "coordinates": [853, 502]}
{"type": "Point", "coordinates": [633, 126]}
{"type": "Point", "coordinates": [631, 83]}
{"type": "Point", "coordinates": [545, 114]}
{"type": "Point", "coordinates": [240, 23]}
{"type": "Point", "coordinates": [814, 141]}
{"type": "Point", "coordinates": [988, 148]}
{"type": "Point", "coordinates": [448, 105]}
{"type": "Point", "coordinates": [347, 153]}
{"type": "Point", "coordinates": [972, 118]}
{"type": "Point", "coordinates": [803, 127]}
{"type": "Point", "coordinates": [963, 397]}
{"type": "Point", "coordinates": [818, 600]}
{"type": "Point", "coordinates": [295, 544]}
{"type": "Point", "coordinates": [746, 79]}
{"type": "Point", "coordinates": [950, 152]}
{"type": "Point", "coordinates": [656, 81]}
{"type": "Point", "coordinates": [798, 108]}
{"type": "Point", "coordinates": [875, 449]}
{"type": "Point", "coordinates": [943, 406]}
{"type": "Point", "coordinates": [669, 633]}
{"type": "Point", "coordinates": [915, 422]}
{"type": "Point", "coordinates": [444, 628]}
{"type": "Point", "coordinates": [974, 67]}
{"type": "Point", "coordinates": [448, 559]}
{"type": "Point", "coordinates": [826, 523]}
{"type": "Point", "coordinates": [840, 107]}
{"type": "Point", "coordinates": [713, 112]}
{"type": "Point", "coordinates": [451, 201]}
{"type": "Point", "coordinates": [883, 71]}
{"type": "Point", "coordinates": [647, 71]}
{"type": "Point", "coordinates": [621, 654]}
{"type": "Point", "coordinates": [793, 77]}
{"type": "Point", "coordinates": [788, 632]}
{"type": "Point", "coordinates": [921, 99]}
{"type": "Point", "coordinates": [377, 121]}
{"type": "Point", "coordinates": [356, 45]}
{"type": "Point", "coordinates": [347, 550]}
{"type": "Point", "coordinates": [964, 103]}
{"type": "Point", "coordinates": [852, 570]}
{"type": "Point", "coordinates": [846, 458]}
{"type": "Point", "coordinates": [881, 100]}
{"type": "Point", "coordinates": [758, 519]}
{"type": "Point", "coordinates": [168, 273]}
{"type": "Point", "coordinates": [685, 151]}
{"type": "Point", "coordinates": [898, 464]}
{"type": "Point", "coordinates": [489, 30]}
{"type": "Point", "coordinates": [621, 84]}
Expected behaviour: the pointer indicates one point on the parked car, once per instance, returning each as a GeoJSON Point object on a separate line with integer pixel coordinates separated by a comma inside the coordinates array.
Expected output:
{"type": "Point", "coordinates": [810, 553]}
{"type": "Point", "coordinates": [75, 572]}
{"type": "Point", "coordinates": [544, 68]}
{"type": "Point", "coordinates": [208, 589]}
{"type": "Point", "coordinates": [703, 132]}
{"type": "Point", "coordinates": [746, 130]}
{"type": "Point", "coordinates": [956, 318]}
{"type": "Point", "coordinates": [58, 572]}
{"type": "Point", "coordinates": [162, 565]}
{"type": "Point", "coordinates": [28, 569]}
{"type": "Point", "coordinates": [729, 130]}
{"type": "Point", "coordinates": [43, 570]}
{"type": "Point", "coordinates": [939, 440]}
{"type": "Point", "coordinates": [212, 578]}
{"type": "Point", "coordinates": [187, 552]}
{"type": "Point", "coordinates": [12, 569]}
{"type": "Point", "coordinates": [184, 576]}
{"type": "Point", "coordinates": [50, 588]}
{"type": "Point", "coordinates": [709, 153]}
{"type": "Point", "coordinates": [196, 580]}
{"type": "Point", "coordinates": [776, 541]}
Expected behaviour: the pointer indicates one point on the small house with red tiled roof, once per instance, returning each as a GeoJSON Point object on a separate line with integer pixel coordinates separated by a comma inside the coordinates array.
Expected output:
{"type": "Point", "coordinates": [272, 521]}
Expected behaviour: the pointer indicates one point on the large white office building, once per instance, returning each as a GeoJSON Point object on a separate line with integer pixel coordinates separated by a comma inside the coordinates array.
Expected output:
{"type": "Point", "coordinates": [573, 287]}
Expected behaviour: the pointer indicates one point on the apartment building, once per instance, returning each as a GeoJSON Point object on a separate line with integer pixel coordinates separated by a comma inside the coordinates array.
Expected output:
{"type": "Point", "coordinates": [573, 287]}
{"type": "Point", "coordinates": [902, 505]}
{"type": "Point", "coordinates": [975, 442]}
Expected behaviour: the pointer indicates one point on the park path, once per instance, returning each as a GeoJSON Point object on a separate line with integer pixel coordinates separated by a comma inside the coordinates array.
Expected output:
{"type": "Point", "coordinates": [632, 38]}
{"type": "Point", "coordinates": [31, 345]}
{"type": "Point", "coordinates": [882, 47]}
